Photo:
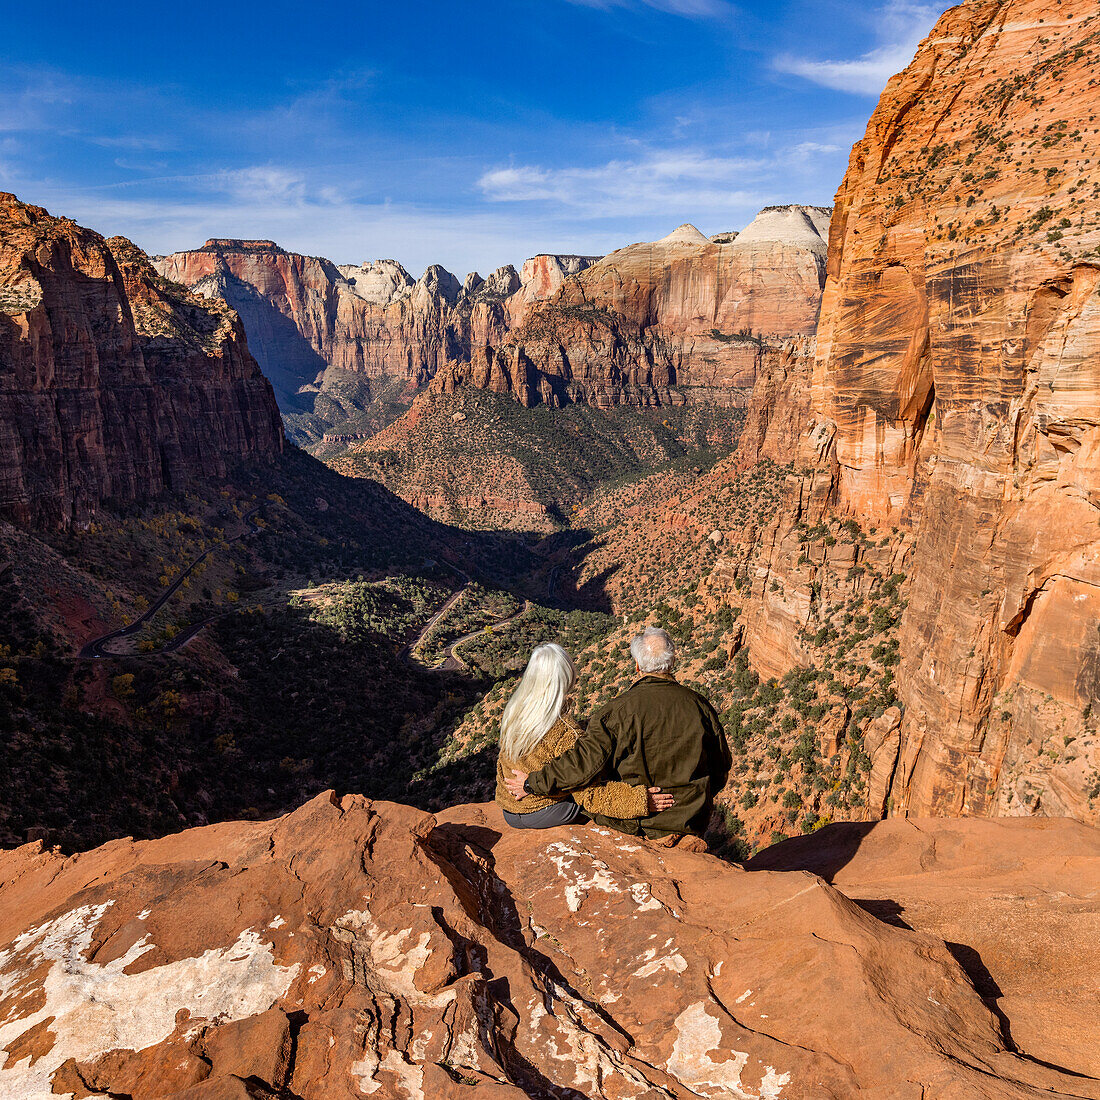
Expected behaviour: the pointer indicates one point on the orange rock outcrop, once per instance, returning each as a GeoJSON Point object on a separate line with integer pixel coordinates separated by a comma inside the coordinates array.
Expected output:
{"type": "Point", "coordinates": [361, 948]}
{"type": "Point", "coordinates": [958, 381]}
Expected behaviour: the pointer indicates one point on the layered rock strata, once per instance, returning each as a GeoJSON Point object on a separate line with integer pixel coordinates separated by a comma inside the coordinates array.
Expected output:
{"type": "Point", "coordinates": [677, 321]}
{"type": "Point", "coordinates": [956, 393]}
{"type": "Point", "coordinates": [683, 320]}
{"type": "Point", "coordinates": [319, 329]}
{"type": "Point", "coordinates": [952, 407]}
{"type": "Point", "coordinates": [114, 384]}
{"type": "Point", "coordinates": [356, 948]}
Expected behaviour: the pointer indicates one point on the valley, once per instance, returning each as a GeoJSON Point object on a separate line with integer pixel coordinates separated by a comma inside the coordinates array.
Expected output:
{"type": "Point", "coordinates": [278, 535]}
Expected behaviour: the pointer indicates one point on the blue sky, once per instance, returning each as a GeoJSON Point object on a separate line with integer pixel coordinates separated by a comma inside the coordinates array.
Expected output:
{"type": "Point", "coordinates": [471, 133]}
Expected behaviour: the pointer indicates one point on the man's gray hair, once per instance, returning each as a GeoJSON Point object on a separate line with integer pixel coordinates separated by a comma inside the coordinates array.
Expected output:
{"type": "Point", "coordinates": [653, 650]}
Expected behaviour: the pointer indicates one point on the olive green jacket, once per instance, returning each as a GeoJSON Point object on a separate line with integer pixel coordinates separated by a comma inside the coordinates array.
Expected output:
{"type": "Point", "coordinates": [656, 734]}
{"type": "Point", "coordinates": [613, 798]}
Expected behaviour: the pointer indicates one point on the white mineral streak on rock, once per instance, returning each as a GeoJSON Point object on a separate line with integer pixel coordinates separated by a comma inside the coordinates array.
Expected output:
{"type": "Point", "coordinates": [676, 963]}
{"type": "Point", "coordinates": [697, 1034]}
{"type": "Point", "coordinates": [316, 972]}
{"type": "Point", "coordinates": [464, 1046]}
{"type": "Point", "coordinates": [365, 1070]}
{"type": "Point", "coordinates": [771, 1085]}
{"type": "Point", "coordinates": [393, 960]}
{"type": "Point", "coordinates": [97, 1008]}
{"type": "Point", "coordinates": [639, 891]}
{"type": "Point", "coordinates": [578, 884]}
{"type": "Point", "coordinates": [409, 1078]}
{"type": "Point", "coordinates": [598, 1069]}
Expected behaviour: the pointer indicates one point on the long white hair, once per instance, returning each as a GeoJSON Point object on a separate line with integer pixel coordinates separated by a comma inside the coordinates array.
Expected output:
{"type": "Point", "coordinates": [537, 702]}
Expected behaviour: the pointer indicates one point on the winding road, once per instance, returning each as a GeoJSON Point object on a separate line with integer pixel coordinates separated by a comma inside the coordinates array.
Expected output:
{"type": "Point", "coordinates": [93, 650]}
{"type": "Point", "coordinates": [453, 662]}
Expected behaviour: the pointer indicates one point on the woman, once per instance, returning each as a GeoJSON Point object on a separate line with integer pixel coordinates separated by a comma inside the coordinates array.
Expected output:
{"type": "Point", "coordinates": [533, 732]}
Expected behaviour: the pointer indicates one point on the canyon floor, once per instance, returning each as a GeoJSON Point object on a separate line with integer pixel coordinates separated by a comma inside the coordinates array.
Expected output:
{"type": "Point", "coordinates": [236, 651]}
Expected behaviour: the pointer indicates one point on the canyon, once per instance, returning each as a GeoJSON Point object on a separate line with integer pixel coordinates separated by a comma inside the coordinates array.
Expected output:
{"type": "Point", "coordinates": [905, 543]}
{"type": "Point", "coordinates": [681, 320]}
{"type": "Point", "coordinates": [886, 577]}
{"type": "Point", "coordinates": [922, 391]}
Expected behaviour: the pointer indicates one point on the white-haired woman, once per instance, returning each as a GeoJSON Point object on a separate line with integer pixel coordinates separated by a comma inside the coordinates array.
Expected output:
{"type": "Point", "coordinates": [534, 731]}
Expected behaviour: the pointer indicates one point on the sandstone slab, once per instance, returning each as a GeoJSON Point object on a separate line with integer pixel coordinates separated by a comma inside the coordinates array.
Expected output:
{"type": "Point", "coordinates": [415, 956]}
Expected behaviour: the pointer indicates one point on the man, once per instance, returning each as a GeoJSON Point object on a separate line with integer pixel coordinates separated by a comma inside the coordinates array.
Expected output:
{"type": "Point", "coordinates": [656, 734]}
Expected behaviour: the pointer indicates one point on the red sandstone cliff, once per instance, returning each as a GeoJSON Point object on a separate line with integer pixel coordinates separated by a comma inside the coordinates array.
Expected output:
{"type": "Point", "coordinates": [677, 321]}
{"type": "Point", "coordinates": [113, 383]}
{"type": "Point", "coordinates": [683, 320]}
{"type": "Point", "coordinates": [334, 339]}
{"type": "Point", "coordinates": [954, 400]}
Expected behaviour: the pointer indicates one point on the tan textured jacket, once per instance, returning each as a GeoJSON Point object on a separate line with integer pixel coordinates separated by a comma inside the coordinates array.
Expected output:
{"type": "Point", "coordinates": [609, 799]}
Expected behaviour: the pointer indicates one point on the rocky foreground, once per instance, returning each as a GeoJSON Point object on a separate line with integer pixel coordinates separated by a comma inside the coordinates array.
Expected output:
{"type": "Point", "coordinates": [354, 949]}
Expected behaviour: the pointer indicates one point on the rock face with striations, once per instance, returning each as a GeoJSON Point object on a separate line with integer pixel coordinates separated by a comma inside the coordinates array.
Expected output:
{"type": "Point", "coordinates": [678, 321]}
{"type": "Point", "coordinates": [333, 339]}
{"type": "Point", "coordinates": [114, 385]}
{"type": "Point", "coordinates": [957, 393]}
{"type": "Point", "coordinates": [683, 320]}
{"type": "Point", "coordinates": [354, 949]}
{"type": "Point", "coordinates": [951, 410]}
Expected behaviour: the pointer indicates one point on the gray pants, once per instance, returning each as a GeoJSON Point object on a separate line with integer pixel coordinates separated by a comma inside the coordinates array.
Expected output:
{"type": "Point", "coordinates": [560, 813]}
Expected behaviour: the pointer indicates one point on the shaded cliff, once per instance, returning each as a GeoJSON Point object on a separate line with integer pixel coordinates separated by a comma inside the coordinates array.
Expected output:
{"type": "Point", "coordinates": [114, 384]}
{"type": "Point", "coordinates": [355, 948]}
{"type": "Point", "coordinates": [339, 342]}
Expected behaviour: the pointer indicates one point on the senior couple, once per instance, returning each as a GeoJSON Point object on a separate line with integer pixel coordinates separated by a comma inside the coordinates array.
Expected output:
{"type": "Point", "coordinates": [648, 764]}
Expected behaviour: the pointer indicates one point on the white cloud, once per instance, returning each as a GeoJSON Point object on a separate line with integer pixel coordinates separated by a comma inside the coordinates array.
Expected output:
{"type": "Point", "coordinates": [318, 223]}
{"type": "Point", "coordinates": [690, 9]}
{"type": "Point", "coordinates": [676, 183]}
{"type": "Point", "coordinates": [656, 183]}
{"type": "Point", "coordinates": [899, 26]}
{"type": "Point", "coordinates": [263, 183]}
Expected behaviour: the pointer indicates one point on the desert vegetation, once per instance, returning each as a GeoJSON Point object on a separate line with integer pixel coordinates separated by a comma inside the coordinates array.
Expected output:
{"type": "Point", "coordinates": [480, 460]}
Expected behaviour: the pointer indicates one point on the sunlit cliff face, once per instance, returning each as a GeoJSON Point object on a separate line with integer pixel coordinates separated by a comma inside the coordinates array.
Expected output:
{"type": "Point", "coordinates": [955, 394]}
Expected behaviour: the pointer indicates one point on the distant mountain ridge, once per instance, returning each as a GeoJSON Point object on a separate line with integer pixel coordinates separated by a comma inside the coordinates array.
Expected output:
{"type": "Point", "coordinates": [334, 340]}
{"type": "Point", "coordinates": [680, 321]}
{"type": "Point", "coordinates": [337, 341]}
